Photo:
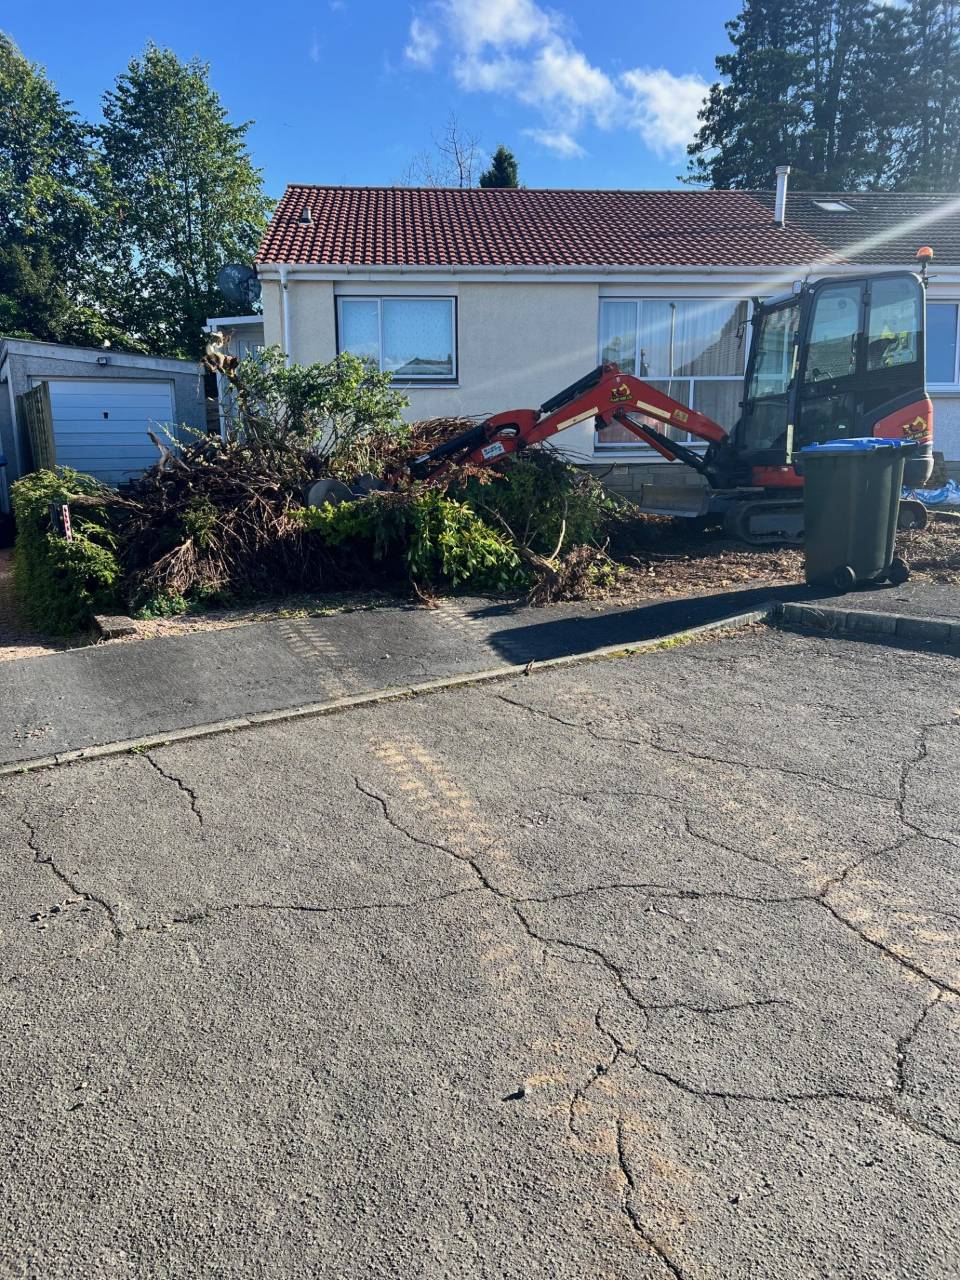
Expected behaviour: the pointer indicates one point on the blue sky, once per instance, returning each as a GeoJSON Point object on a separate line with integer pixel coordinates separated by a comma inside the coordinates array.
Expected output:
{"type": "Point", "coordinates": [349, 91]}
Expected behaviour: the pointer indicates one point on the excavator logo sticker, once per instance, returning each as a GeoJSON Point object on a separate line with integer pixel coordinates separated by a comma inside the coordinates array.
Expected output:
{"type": "Point", "coordinates": [918, 429]}
{"type": "Point", "coordinates": [680, 415]}
{"type": "Point", "coordinates": [490, 451]}
{"type": "Point", "coordinates": [621, 393]}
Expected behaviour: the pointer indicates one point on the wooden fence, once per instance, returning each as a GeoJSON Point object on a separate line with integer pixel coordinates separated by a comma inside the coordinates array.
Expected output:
{"type": "Point", "coordinates": [33, 410]}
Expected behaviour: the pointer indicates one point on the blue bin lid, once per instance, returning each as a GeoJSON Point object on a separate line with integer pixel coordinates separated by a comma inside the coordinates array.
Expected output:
{"type": "Point", "coordinates": [861, 444]}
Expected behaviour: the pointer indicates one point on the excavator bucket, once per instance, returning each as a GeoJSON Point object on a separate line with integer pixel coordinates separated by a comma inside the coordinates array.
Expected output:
{"type": "Point", "coordinates": [686, 500]}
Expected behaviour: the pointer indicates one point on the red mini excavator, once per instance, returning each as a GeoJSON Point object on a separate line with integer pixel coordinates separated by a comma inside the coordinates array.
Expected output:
{"type": "Point", "coordinates": [838, 358]}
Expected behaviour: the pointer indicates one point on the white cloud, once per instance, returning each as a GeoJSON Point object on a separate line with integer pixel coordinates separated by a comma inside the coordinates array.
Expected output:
{"type": "Point", "coordinates": [563, 78]}
{"type": "Point", "coordinates": [314, 50]}
{"type": "Point", "coordinates": [497, 75]}
{"type": "Point", "coordinates": [522, 51]}
{"type": "Point", "coordinates": [561, 144]}
{"type": "Point", "coordinates": [556, 79]}
{"type": "Point", "coordinates": [476, 23]}
{"type": "Point", "coordinates": [423, 44]}
{"type": "Point", "coordinates": [663, 107]}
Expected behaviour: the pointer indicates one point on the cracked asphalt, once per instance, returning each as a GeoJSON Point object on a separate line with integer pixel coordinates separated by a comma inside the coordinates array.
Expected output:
{"type": "Point", "coordinates": [644, 968]}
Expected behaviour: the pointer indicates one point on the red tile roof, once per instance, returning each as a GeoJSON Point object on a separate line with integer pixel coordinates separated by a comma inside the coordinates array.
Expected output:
{"type": "Point", "coordinates": [410, 226]}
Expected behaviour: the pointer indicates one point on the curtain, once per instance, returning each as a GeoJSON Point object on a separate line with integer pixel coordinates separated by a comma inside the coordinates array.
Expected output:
{"type": "Point", "coordinates": [708, 345]}
{"type": "Point", "coordinates": [618, 334]}
{"type": "Point", "coordinates": [360, 328]}
{"type": "Point", "coordinates": [418, 337]}
{"type": "Point", "coordinates": [719, 401]}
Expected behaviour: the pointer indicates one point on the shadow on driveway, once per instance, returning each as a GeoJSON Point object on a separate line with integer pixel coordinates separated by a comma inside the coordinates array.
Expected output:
{"type": "Point", "coordinates": [555, 637]}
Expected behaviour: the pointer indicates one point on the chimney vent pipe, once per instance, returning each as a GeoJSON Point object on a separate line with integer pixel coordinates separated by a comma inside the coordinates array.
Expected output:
{"type": "Point", "coordinates": [780, 206]}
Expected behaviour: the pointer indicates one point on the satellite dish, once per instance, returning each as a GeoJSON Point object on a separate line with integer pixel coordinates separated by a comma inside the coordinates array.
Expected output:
{"type": "Point", "coordinates": [239, 284]}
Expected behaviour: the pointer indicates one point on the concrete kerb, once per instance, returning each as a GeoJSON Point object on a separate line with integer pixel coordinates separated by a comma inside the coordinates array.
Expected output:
{"type": "Point", "coordinates": [764, 613]}
{"type": "Point", "coordinates": [902, 629]}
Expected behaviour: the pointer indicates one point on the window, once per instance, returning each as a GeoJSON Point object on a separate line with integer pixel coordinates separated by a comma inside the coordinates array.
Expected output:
{"type": "Point", "coordinates": [412, 338]}
{"type": "Point", "coordinates": [691, 348]}
{"type": "Point", "coordinates": [833, 206]}
{"type": "Point", "coordinates": [894, 325]}
{"type": "Point", "coordinates": [942, 364]}
{"type": "Point", "coordinates": [834, 333]}
{"type": "Point", "coordinates": [775, 359]}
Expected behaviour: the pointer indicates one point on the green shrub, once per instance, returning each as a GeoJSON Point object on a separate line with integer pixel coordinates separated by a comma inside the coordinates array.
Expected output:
{"type": "Point", "coordinates": [536, 495]}
{"type": "Point", "coordinates": [62, 584]}
{"type": "Point", "coordinates": [427, 538]}
{"type": "Point", "coordinates": [346, 412]}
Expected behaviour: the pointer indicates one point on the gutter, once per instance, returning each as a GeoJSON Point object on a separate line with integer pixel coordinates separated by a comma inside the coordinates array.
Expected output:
{"type": "Point", "coordinates": [284, 313]}
{"type": "Point", "coordinates": [626, 274]}
{"type": "Point", "coordinates": [312, 270]}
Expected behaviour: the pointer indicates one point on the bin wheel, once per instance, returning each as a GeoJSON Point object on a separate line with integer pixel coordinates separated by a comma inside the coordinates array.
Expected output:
{"type": "Point", "coordinates": [912, 515]}
{"type": "Point", "coordinates": [898, 572]}
{"type": "Point", "coordinates": [843, 579]}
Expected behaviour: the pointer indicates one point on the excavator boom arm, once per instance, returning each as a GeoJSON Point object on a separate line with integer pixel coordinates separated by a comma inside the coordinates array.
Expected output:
{"type": "Point", "coordinates": [606, 395]}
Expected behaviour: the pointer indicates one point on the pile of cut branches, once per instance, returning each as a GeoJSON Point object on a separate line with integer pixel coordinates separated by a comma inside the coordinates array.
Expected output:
{"type": "Point", "coordinates": [218, 518]}
{"type": "Point", "coordinates": [224, 516]}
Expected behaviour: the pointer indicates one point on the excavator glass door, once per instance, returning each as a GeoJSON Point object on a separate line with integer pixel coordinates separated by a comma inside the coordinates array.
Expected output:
{"type": "Point", "coordinates": [831, 361]}
{"type": "Point", "coordinates": [767, 407]}
{"type": "Point", "coordinates": [861, 355]}
{"type": "Point", "coordinates": [827, 408]}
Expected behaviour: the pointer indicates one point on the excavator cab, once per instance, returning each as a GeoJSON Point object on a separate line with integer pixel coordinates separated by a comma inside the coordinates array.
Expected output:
{"type": "Point", "coordinates": [842, 357]}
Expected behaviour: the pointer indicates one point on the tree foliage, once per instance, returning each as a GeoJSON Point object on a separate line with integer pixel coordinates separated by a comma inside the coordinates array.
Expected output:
{"type": "Point", "coordinates": [849, 93]}
{"type": "Point", "coordinates": [502, 171]}
{"type": "Point", "coordinates": [184, 197]}
{"type": "Point", "coordinates": [115, 233]}
{"type": "Point", "coordinates": [929, 150]}
{"type": "Point", "coordinates": [48, 182]}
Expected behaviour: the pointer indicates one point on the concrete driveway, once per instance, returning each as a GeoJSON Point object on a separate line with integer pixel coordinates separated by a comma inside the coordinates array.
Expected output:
{"type": "Point", "coordinates": [645, 968]}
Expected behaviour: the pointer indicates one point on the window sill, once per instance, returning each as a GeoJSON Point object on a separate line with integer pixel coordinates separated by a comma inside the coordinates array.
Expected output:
{"type": "Point", "coordinates": [643, 451]}
{"type": "Point", "coordinates": [943, 389]}
{"type": "Point", "coordinates": [426, 386]}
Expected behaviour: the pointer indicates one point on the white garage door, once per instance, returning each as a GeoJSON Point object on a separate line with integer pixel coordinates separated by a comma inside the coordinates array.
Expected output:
{"type": "Point", "coordinates": [100, 424]}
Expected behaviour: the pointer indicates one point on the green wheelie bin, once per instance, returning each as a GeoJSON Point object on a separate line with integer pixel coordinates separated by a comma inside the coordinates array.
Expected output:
{"type": "Point", "coordinates": [851, 500]}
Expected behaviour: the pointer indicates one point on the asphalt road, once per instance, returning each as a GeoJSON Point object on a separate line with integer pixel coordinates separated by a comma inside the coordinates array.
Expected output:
{"type": "Point", "coordinates": [645, 968]}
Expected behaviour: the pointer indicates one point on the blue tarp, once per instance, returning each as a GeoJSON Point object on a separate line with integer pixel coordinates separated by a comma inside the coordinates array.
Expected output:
{"type": "Point", "coordinates": [947, 495]}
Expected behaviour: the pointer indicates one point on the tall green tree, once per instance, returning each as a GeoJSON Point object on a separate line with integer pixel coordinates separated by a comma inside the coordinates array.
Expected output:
{"type": "Point", "coordinates": [502, 171]}
{"type": "Point", "coordinates": [48, 180]}
{"type": "Point", "coordinates": [184, 198]}
{"type": "Point", "coordinates": [816, 84]}
{"type": "Point", "coordinates": [751, 117]}
{"type": "Point", "coordinates": [929, 157]}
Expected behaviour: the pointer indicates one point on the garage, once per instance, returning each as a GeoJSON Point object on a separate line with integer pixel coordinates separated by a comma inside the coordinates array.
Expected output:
{"type": "Point", "coordinates": [90, 408]}
{"type": "Point", "coordinates": [100, 425]}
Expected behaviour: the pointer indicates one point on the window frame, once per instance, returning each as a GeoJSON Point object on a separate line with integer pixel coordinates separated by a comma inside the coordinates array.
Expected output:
{"type": "Point", "coordinates": [631, 449]}
{"type": "Point", "coordinates": [955, 384]}
{"type": "Point", "coordinates": [414, 379]}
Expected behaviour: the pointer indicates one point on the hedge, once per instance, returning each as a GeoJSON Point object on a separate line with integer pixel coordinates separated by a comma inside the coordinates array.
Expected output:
{"type": "Point", "coordinates": [61, 584]}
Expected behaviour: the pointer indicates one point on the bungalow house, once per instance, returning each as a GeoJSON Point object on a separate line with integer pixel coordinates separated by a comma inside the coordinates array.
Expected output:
{"type": "Point", "coordinates": [483, 300]}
